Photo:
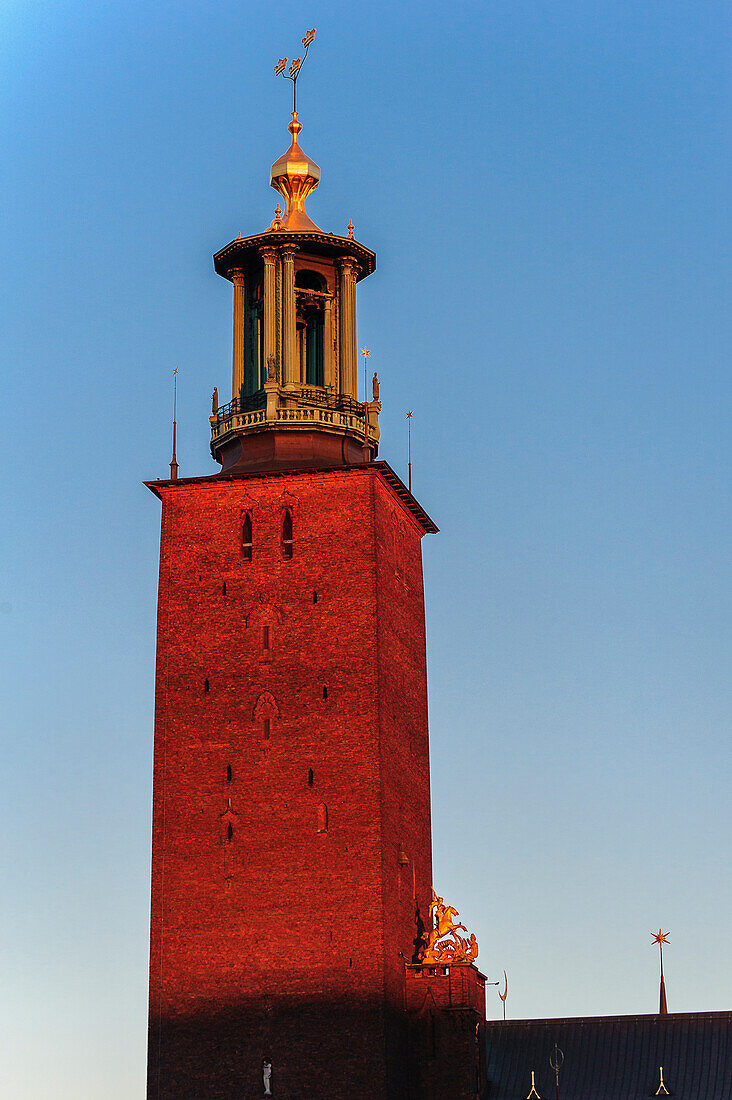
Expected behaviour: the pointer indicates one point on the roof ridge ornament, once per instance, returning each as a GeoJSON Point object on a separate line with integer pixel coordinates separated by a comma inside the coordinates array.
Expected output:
{"type": "Point", "coordinates": [295, 175]}
{"type": "Point", "coordinates": [533, 1094]}
{"type": "Point", "coordinates": [662, 1090]}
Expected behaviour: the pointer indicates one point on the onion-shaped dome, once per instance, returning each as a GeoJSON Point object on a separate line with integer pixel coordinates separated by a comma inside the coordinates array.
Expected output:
{"type": "Point", "coordinates": [295, 175]}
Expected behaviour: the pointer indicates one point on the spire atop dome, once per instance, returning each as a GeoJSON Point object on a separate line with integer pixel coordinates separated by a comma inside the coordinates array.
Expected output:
{"type": "Point", "coordinates": [295, 175]}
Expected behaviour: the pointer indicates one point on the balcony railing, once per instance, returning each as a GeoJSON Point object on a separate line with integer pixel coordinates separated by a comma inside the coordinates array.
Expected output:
{"type": "Point", "coordinates": [339, 401]}
{"type": "Point", "coordinates": [252, 403]}
{"type": "Point", "coordinates": [320, 398]}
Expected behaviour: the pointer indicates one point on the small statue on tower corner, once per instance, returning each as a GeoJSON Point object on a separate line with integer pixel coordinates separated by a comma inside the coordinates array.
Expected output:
{"type": "Point", "coordinates": [215, 401]}
{"type": "Point", "coordinates": [267, 1076]}
{"type": "Point", "coordinates": [375, 387]}
{"type": "Point", "coordinates": [271, 369]}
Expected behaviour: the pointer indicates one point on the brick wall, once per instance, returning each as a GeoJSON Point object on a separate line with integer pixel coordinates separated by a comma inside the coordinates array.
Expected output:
{"type": "Point", "coordinates": [291, 820]}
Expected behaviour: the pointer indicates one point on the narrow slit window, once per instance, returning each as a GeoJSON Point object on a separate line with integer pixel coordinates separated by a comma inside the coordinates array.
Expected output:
{"type": "Point", "coordinates": [206, 687]}
{"type": "Point", "coordinates": [246, 537]}
{"type": "Point", "coordinates": [229, 831]}
{"type": "Point", "coordinates": [265, 637]}
{"type": "Point", "coordinates": [322, 818]}
{"type": "Point", "coordinates": [325, 691]}
{"type": "Point", "coordinates": [287, 534]}
{"type": "Point", "coordinates": [315, 597]}
{"type": "Point", "coordinates": [266, 730]}
{"type": "Point", "coordinates": [311, 777]}
{"type": "Point", "coordinates": [223, 589]}
{"type": "Point", "coordinates": [229, 773]}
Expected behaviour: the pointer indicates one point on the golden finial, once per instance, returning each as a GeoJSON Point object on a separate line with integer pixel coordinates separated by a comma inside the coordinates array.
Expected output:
{"type": "Point", "coordinates": [350, 230]}
{"type": "Point", "coordinates": [533, 1092]}
{"type": "Point", "coordinates": [295, 175]}
{"type": "Point", "coordinates": [662, 1090]}
{"type": "Point", "coordinates": [660, 937]}
{"type": "Point", "coordinates": [276, 222]}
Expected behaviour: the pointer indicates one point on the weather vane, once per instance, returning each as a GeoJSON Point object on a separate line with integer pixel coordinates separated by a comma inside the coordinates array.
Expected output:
{"type": "Point", "coordinates": [556, 1061]}
{"type": "Point", "coordinates": [661, 938]}
{"type": "Point", "coordinates": [295, 66]}
{"type": "Point", "coordinates": [504, 995]}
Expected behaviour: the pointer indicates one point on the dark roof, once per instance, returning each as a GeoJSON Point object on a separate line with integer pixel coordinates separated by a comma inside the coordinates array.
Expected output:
{"type": "Point", "coordinates": [613, 1057]}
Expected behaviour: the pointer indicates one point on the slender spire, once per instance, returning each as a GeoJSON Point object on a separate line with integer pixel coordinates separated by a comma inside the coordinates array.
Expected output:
{"type": "Point", "coordinates": [661, 938]}
{"type": "Point", "coordinates": [173, 461]}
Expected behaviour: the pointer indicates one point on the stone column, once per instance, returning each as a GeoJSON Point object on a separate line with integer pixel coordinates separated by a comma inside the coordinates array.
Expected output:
{"type": "Point", "coordinates": [269, 255]}
{"type": "Point", "coordinates": [328, 364]}
{"type": "Point", "coordinates": [237, 277]}
{"type": "Point", "coordinates": [289, 319]}
{"type": "Point", "coordinates": [349, 361]}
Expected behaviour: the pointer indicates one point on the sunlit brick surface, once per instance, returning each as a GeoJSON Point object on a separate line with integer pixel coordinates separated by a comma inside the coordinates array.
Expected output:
{"type": "Point", "coordinates": [270, 935]}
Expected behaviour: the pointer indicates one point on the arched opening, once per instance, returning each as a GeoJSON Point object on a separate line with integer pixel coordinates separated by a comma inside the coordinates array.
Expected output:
{"type": "Point", "coordinates": [255, 369]}
{"type": "Point", "coordinates": [311, 777]}
{"type": "Point", "coordinates": [246, 537]}
{"type": "Point", "coordinates": [287, 534]}
{"type": "Point", "coordinates": [310, 293]}
{"type": "Point", "coordinates": [229, 773]}
{"type": "Point", "coordinates": [229, 831]}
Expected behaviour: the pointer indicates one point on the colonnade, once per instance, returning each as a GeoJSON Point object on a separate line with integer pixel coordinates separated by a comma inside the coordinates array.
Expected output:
{"type": "Point", "coordinates": [279, 267]}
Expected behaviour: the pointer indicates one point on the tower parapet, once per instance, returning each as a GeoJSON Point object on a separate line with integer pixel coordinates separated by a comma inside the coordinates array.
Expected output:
{"type": "Point", "coordinates": [295, 399]}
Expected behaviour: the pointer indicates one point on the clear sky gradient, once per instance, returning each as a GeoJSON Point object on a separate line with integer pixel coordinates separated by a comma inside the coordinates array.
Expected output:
{"type": "Point", "coordinates": [546, 185]}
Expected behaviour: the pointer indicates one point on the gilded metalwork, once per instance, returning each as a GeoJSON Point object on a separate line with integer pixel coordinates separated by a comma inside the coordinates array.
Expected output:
{"type": "Point", "coordinates": [443, 943]}
{"type": "Point", "coordinates": [295, 175]}
{"type": "Point", "coordinates": [533, 1095]}
{"type": "Point", "coordinates": [662, 1090]}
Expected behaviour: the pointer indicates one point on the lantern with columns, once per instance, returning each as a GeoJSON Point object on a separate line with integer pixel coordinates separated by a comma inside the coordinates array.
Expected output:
{"type": "Point", "coordinates": [295, 399]}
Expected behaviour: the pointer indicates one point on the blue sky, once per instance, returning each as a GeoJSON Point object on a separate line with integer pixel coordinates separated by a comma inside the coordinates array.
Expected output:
{"type": "Point", "coordinates": [546, 186]}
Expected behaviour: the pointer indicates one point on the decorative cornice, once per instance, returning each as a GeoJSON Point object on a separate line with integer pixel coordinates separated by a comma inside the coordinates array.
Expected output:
{"type": "Point", "coordinates": [327, 244]}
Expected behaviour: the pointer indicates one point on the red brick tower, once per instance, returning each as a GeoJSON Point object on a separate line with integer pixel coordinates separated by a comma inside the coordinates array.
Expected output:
{"type": "Point", "coordinates": [291, 874]}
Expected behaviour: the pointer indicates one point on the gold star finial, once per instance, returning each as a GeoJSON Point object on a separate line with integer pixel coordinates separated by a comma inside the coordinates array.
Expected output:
{"type": "Point", "coordinates": [660, 937]}
{"type": "Point", "coordinates": [366, 353]}
{"type": "Point", "coordinates": [410, 414]}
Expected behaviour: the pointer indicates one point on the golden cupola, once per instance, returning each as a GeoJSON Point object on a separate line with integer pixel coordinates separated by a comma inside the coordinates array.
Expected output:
{"type": "Point", "coordinates": [297, 399]}
{"type": "Point", "coordinates": [295, 175]}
